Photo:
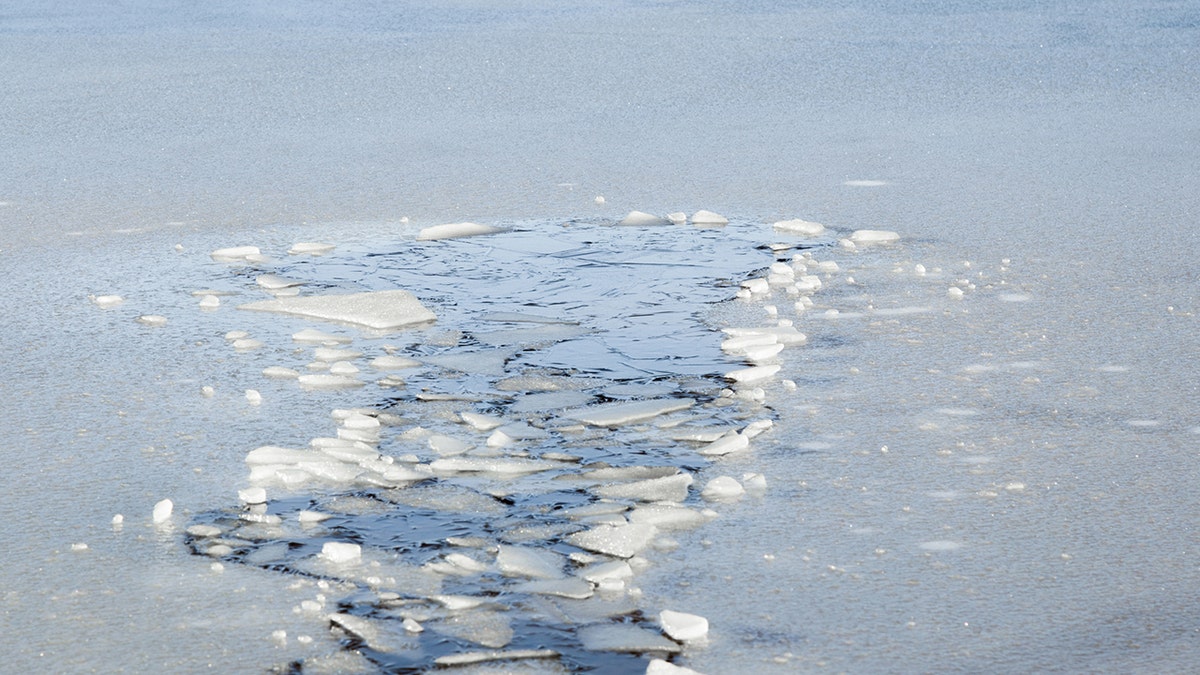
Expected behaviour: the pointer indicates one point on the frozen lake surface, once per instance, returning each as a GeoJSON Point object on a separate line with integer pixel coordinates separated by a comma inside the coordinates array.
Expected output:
{"type": "Point", "coordinates": [981, 455]}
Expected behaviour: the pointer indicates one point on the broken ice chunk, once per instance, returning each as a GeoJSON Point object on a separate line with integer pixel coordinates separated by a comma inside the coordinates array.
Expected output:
{"type": "Point", "coordinates": [623, 637]}
{"type": "Point", "coordinates": [682, 626]}
{"type": "Point", "coordinates": [703, 217]}
{"type": "Point", "coordinates": [379, 310]}
{"type": "Point", "coordinates": [722, 488]}
{"type": "Point", "coordinates": [617, 414]}
{"type": "Point", "coordinates": [153, 320]}
{"type": "Point", "coordinates": [480, 421]}
{"type": "Point", "coordinates": [456, 231]}
{"type": "Point", "coordinates": [468, 658]}
{"type": "Point", "coordinates": [314, 336]}
{"type": "Point", "coordinates": [874, 237]}
{"type": "Point", "coordinates": [660, 667]}
{"type": "Point", "coordinates": [726, 445]}
{"type": "Point", "coordinates": [107, 300]}
{"type": "Point", "coordinates": [641, 218]}
{"type": "Point", "coordinates": [619, 541]}
{"type": "Point", "coordinates": [310, 248]}
{"type": "Point", "coordinates": [522, 561]}
{"type": "Point", "coordinates": [341, 552]}
{"type": "Point", "coordinates": [666, 489]}
{"type": "Point", "coordinates": [753, 374]}
{"type": "Point", "coordinates": [274, 282]}
{"type": "Point", "coordinates": [235, 253]}
{"type": "Point", "coordinates": [392, 362]}
{"type": "Point", "coordinates": [162, 511]}
{"type": "Point", "coordinates": [798, 226]}
{"type": "Point", "coordinates": [575, 589]}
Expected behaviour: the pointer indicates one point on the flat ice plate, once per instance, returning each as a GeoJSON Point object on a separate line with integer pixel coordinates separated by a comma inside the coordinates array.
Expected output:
{"type": "Point", "coordinates": [379, 310]}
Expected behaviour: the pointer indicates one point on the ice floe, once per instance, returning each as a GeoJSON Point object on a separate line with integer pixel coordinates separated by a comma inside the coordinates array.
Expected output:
{"type": "Point", "coordinates": [379, 310]}
{"type": "Point", "coordinates": [641, 218]}
{"type": "Point", "coordinates": [798, 226]}
{"type": "Point", "coordinates": [456, 231]}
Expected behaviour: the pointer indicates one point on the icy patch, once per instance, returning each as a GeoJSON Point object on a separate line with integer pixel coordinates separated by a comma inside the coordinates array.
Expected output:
{"type": "Point", "coordinates": [865, 183]}
{"type": "Point", "coordinates": [456, 231]}
{"type": "Point", "coordinates": [939, 545]}
{"type": "Point", "coordinates": [619, 541]}
{"type": "Point", "coordinates": [625, 638]}
{"type": "Point", "coordinates": [379, 310]}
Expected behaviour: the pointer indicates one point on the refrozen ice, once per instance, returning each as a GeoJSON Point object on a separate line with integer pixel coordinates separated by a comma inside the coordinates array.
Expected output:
{"type": "Point", "coordinates": [456, 231]}
{"type": "Point", "coordinates": [682, 626]}
{"type": "Point", "coordinates": [379, 310]}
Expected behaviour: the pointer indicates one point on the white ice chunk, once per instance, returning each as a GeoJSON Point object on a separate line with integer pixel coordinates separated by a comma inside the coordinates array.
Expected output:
{"type": "Point", "coordinates": [247, 344]}
{"type": "Point", "coordinates": [523, 561]}
{"type": "Point", "coordinates": [660, 667]}
{"type": "Point", "coordinates": [722, 488]}
{"type": "Point", "coordinates": [321, 381]}
{"type": "Point", "coordinates": [480, 421]}
{"type": "Point", "coordinates": [787, 335]}
{"type": "Point", "coordinates": [333, 354]}
{"type": "Point", "coordinates": [162, 511]}
{"type": "Point", "coordinates": [642, 218]}
{"type": "Point", "coordinates": [677, 217]}
{"type": "Point", "coordinates": [571, 587]}
{"type": "Point", "coordinates": [274, 282]}
{"type": "Point", "coordinates": [703, 217]}
{"type": "Point", "coordinates": [280, 373]}
{"type": "Point", "coordinates": [107, 300]}
{"type": "Point", "coordinates": [874, 237]}
{"type": "Point", "coordinates": [738, 345]}
{"type": "Point", "coordinates": [617, 569]}
{"type": "Point", "coordinates": [392, 362]}
{"type": "Point", "coordinates": [380, 310]}
{"type": "Point", "coordinates": [343, 368]}
{"type": "Point", "coordinates": [310, 248]}
{"type": "Point", "coordinates": [456, 231]}
{"type": "Point", "coordinates": [447, 445]}
{"type": "Point", "coordinates": [617, 414]}
{"type": "Point", "coordinates": [210, 302]}
{"type": "Point", "coordinates": [619, 541]}
{"type": "Point", "coordinates": [667, 517]}
{"type": "Point", "coordinates": [682, 626]}
{"type": "Point", "coordinates": [666, 489]}
{"type": "Point", "coordinates": [307, 516]}
{"type": "Point", "coordinates": [154, 320]}
{"type": "Point", "coordinates": [757, 286]}
{"type": "Point", "coordinates": [314, 336]}
{"type": "Point", "coordinates": [341, 552]}
{"type": "Point", "coordinates": [726, 445]}
{"type": "Point", "coordinates": [624, 637]}
{"type": "Point", "coordinates": [511, 466]}
{"type": "Point", "coordinates": [753, 374]}
{"type": "Point", "coordinates": [468, 658]}
{"type": "Point", "coordinates": [235, 253]}
{"type": "Point", "coordinates": [253, 495]}
{"type": "Point", "coordinates": [798, 226]}
{"type": "Point", "coordinates": [757, 427]}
